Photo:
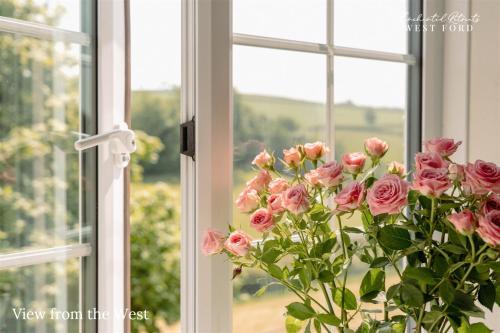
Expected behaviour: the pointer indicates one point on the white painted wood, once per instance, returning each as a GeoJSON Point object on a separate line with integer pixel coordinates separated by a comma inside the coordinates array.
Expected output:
{"type": "Point", "coordinates": [111, 110]}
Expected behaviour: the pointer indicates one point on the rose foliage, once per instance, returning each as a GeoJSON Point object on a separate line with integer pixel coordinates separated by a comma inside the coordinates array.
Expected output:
{"type": "Point", "coordinates": [440, 233]}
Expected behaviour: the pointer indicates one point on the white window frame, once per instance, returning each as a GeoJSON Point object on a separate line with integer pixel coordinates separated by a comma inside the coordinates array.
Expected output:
{"type": "Point", "coordinates": [206, 287]}
{"type": "Point", "coordinates": [110, 187]}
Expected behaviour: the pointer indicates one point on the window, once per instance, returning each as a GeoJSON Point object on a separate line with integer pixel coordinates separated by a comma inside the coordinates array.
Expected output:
{"type": "Point", "coordinates": [331, 73]}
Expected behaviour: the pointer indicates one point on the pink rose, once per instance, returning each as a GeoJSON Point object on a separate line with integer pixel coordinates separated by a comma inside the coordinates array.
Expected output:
{"type": "Point", "coordinates": [278, 185]}
{"type": "Point", "coordinates": [396, 168]}
{"type": "Point", "coordinates": [329, 174]}
{"type": "Point", "coordinates": [482, 177]}
{"type": "Point", "coordinates": [464, 222]}
{"type": "Point", "coordinates": [490, 204]}
{"type": "Point", "coordinates": [248, 200]}
{"type": "Point", "coordinates": [312, 177]}
{"type": "Point", "coordinates": [431, 182]}
{"type": "Point", "coordinates": [213, 242]}
{"type": "Point", "coordinates": [315, 150]}
{"type": "Point", "coordinates": [429, 160]}
{"type": "Point", "coordinates": [292, 157]}
{"type": "Point", "coordinates": [388, 195]}
{"type": "Point", "coordinates": [456, 172]}
{"type": "Point", "coordinates": [263, 160]}
{"type": "Point", "coordinates": [296, 199]}
{"type": "Point", "coordinates": [442, 146]}
{"type": "Point", "coordinates": [238, 243]}
{"type": "Point", "coordinates": [376, 148]}
{"type": "Point", "coordinates": [260, 181]}
{"type": "Point", "coordinates": [489, 228]}
{"type": "Point", "coordinates": [353, 162]}
{"type": "Point", "coordinates": [350, 197]}
{"type": "Point", "coordinates": [262, 220]}
{"type": "Point", "coordinates": [275, 203]}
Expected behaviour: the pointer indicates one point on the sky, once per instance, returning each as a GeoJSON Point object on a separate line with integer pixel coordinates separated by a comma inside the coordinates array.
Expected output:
{"type": "Point", "coordinates": [369, 24]}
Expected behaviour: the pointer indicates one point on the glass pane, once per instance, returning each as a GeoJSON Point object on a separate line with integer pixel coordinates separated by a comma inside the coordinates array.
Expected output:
{"type": "Point", "coordinates": [303, 20]}
{"type": "Point", "coordinates": [374, 25]}
{"type": "Point", "coordinates": [41, 288]}
{"type": "Point", "coordinates": [279, 101]}
{"type": "Point", "coordinates": [64, 14]}
{"type": "Point", "coordinates": [155, 186]}
{"type": "Point", "coordinates": [370, 100]}
{"type": "Point", "coordinates": [43, 88]}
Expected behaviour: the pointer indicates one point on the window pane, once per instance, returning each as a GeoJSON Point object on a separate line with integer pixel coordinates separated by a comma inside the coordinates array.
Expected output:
{"type": "Point", "coordinates": [375, 25]}
{"type": "Point", "coordinates": [64, 14]}
{"type": "Point", "coordinates": [41, 288]}
{"type": "Point", "coordinates": [155, 182]}
{"type": "Point", "coordinates": [279, 101]}
{"type": "Point", "coordinates": [45, 89]}
{"type": "Point", "coordinates": [303, 20]}
{"type": "Point", "coordinates": [370, 100]}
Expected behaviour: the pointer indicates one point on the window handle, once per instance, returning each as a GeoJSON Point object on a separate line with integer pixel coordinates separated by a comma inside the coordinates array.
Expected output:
{"type": "Point", "coordinates": [121, 143]}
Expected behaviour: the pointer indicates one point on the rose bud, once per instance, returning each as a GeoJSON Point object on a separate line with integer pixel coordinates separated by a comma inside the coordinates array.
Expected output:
{"type": "Point", "coordinates": [238, 243]}
{"type": "Point", "coordinates": [388, 195]}
{"type": "Point", "coordinates": [490, 204]}
{"type": "Point", "coordinates": [260, 181]}
{"type": "Point", "coordinates": [456, 172]}
{"type": "Point", "coordinates": [350, 197]}
{"type": "Point", "coordinates": [237, 271]}
{"type": "Point", "coordinates": [296, 199]}
{"type": "Point", "coordinates": [353, 162]}
{"type": "Point", "coordinates": [396, 168]}
{"type": "Point", "coordinates": [429, 160]}
{"type": "Point", "coordinates": [376, 148]}
{"type": "Point", "coordinates": [263, 160]}
{"type": "Point", "coordinates": [316, 150]}
{"type": "Point", "coordinates": [464, 222]}
{"type": "Point", "coordinates": [489, 228]}
{"type": "Point", "coordinates": [275, 203]}
{"type": "Point", "coordinates": [442, 146]}
{"type": "Point", "coordinates": [482, 177]}
{"type": "Point", "coordinates": [262, 220]}
{"type": "Point", "coordinates": [330, 174]}
{"type": "Point", "coordinates": [431, 182]}
{"type": "Point", "coordinates": [248, 200]}
{"type": "Point", "coordinates": [278, 185]}
{"type": "Point", "coordinates": [213, 242]}
{"type": "Point", "coordinates": [292, 157]}
{"type": "Point", "coordinates": [312, 177]}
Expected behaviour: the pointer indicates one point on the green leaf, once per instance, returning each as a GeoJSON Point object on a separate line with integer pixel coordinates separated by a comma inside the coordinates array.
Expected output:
{"type": "Point", "coordinates": [380, 262]}
{"type": "Point", "coordinates": [329, 319]}
{"type": "Point", "coordinates": [431, 317]}
{"type": "Point", "coordinates": [326, 276]}
{"type": "Point", "coordinates": [305, 276]}
{"type": "Point", "coordinates": [480, 273]}
{"type": "Point", "coordinates": [261, 291]}
{"type": "Point", "coordinates": [270, 256]}
{"type": "Point", "coordinates": [394, 238]}
{"type": "Point", "coordinates": [353, 230]}
{"type": "Point", "coordinates": [350, 302]}
{"type": "Point", "coordinates": [447, 292]}
{"type": "Point", "coordinates": [453, 248]}
{"type": "Point", "coordinates": [372, 283]}
{"type": "Point", "coordinates": [487, 295]}
{"type": "Point", "coordinates": [275, 271]}
{"type": "Point", "coordinates": [392, 291]}
{"type": "Point", "coordinates": [420, 274]}
{"type": "Point", "coordinates": [479, 328]}
{"type": "Point", "coordinates": [411, 295]}
{"type": "Point", "coordinates": [300, 311]}
{"type": "Point", "coordinates": [317, 325]}
{"type": "Point", "coordinates": [293, 325]}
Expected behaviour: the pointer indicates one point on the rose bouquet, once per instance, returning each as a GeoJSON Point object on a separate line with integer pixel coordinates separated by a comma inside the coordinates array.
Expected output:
{"type": "Point", "coordinates": [440, 233]}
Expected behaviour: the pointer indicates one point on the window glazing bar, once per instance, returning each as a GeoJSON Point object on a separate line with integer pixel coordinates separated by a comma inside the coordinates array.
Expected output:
{"type": "Point", "coordinates": [42, 31]}
{"type": "Point", "coordinates": [318, 48]}
{"type": "Point", "coordinates": [36, 257]}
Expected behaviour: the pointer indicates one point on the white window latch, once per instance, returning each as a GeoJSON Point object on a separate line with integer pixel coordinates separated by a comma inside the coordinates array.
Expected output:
{"type": "Point", "coordinates": [121, 143]}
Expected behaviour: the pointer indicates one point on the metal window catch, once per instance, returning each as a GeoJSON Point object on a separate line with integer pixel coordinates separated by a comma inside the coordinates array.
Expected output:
{"type": "Point", "coordinates": [121, 143]}
{"type": "Point", "coordinates": [187, 139]}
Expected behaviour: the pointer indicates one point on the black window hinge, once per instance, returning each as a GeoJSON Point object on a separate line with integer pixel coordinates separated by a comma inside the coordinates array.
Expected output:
{"type": "Point", "coordinates": [187, 139]}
